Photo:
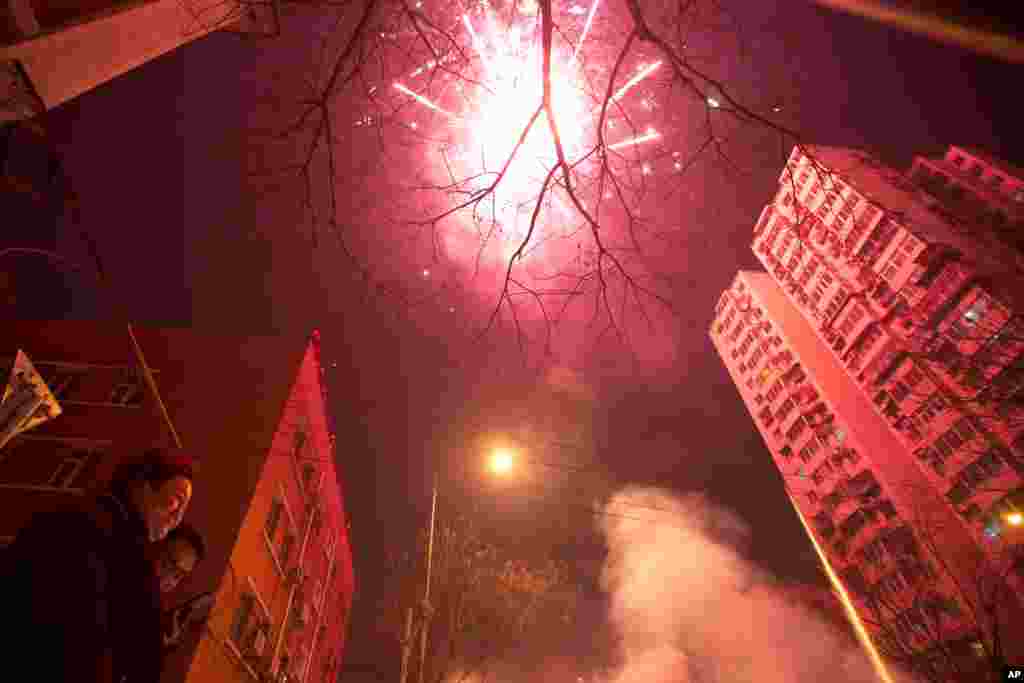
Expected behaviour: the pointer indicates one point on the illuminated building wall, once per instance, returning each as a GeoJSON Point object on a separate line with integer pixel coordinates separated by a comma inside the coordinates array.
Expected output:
{"type": "Point", "coordinates": [880, 357]}
{"type": "Point", "coordinates": [67, 47]}
{"type": "Point", "coordinates": [268, 498]}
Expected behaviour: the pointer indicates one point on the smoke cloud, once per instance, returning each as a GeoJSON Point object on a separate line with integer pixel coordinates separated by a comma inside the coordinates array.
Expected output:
{"type": "Point", "coordinates": [688, 608]}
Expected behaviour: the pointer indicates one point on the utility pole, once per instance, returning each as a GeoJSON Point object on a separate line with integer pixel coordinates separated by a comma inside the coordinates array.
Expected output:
{"type": "Point", "coordinates": [426, 610]}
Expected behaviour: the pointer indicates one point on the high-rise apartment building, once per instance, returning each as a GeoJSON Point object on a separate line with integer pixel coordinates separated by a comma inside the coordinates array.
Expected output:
{"type": "Point", "coordinates": [881, 358]}
{"type": "Point", "coordinates": [268, 497]}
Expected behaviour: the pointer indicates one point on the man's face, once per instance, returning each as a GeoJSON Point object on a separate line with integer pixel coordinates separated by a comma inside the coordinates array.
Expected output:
{"type": "Point", "coordinates": [176, 561]}
{"type": "Point", "coordinates": [166, 505]}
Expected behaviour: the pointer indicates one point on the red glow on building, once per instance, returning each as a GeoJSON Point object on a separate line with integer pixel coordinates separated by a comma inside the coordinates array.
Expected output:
{"type": "Point", "coordinates": [882, 358]}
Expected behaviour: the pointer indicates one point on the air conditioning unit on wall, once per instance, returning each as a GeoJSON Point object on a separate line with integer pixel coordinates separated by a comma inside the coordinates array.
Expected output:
{"type": "Point", "coordinates": [258, 643]}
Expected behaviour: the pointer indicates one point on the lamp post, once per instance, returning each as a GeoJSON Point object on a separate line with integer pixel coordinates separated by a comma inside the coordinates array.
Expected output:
{"type": "Point", "coordinates": [501, 462]}
{"type": "Point", "coordinates": [427, 609]}
{"type": "Point", "coordinates": [407, 636]}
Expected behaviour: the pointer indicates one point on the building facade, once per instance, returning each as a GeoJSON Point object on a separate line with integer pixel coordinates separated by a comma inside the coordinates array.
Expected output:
{"type": "Point", "coordinates": [268, 496]}
{"type": "Point", "coordinates": [881, 358]}
{"type": "Point", "coordinates": [54, 50]}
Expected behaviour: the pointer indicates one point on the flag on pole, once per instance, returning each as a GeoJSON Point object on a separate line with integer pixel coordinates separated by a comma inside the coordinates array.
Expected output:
{"type": "Point", "coordinates": [27, 401]}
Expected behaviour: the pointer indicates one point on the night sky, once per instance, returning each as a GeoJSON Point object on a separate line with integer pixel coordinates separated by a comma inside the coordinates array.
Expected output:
{"type": "Point", "coordinates": [161, 159]}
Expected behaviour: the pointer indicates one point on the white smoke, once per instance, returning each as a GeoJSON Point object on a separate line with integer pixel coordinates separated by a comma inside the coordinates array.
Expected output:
{"type": "Point", "coordinates": [689, 609]}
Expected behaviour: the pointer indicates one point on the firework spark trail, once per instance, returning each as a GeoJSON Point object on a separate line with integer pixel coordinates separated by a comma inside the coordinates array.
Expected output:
{"type": "Point", "coordinates": [644, 73]}
{"type": "Point", "coordinates": [423, 100]}
{"type": "Point", "coordinates": [586, 30]}
{"type": "Point", "coordinates": [646, 137]}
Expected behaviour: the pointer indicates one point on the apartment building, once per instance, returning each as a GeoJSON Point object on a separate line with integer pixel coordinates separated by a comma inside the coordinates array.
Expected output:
{"type": "Point", "coordinates": [880, 356]}
{"type": "Point", "coordinates": [54, 50]}
{"type": "Point", "coordinates": [978, 187]}
{"type": "Point", "coordinates": [268, 496]}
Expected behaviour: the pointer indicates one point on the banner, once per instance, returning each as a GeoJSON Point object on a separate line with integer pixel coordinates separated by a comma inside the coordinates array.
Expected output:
{"type": "Point", "coordinates": [27, 401]}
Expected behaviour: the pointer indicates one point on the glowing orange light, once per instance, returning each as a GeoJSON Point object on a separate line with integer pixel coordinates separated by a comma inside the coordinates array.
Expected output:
{"type": "Point", "coordinates": [502, 461]}
{"type": "Point", "coordinates": [1015, 518]}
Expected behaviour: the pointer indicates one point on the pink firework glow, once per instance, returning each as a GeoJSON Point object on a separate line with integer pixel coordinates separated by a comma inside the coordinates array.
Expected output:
{"type": "Point", "coordinates": [485, 128]}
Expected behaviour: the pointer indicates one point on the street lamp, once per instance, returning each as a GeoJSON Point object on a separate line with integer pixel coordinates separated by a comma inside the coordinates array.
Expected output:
{"type": "Point", "coordinates": [501, 462]}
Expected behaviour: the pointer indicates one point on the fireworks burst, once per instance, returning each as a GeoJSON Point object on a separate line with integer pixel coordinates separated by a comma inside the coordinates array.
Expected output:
{"type": "Point", "coordinates": [486, 117]}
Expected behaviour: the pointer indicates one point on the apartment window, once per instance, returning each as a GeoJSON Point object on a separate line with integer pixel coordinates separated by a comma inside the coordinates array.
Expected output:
{"type": "Point", "coordinates": [913, 376]}
{"type": "Point", "coordinates": [934, 405]}
{"type": "Point", "coordinates": [973, 314]}
{"type": "Point", "coordinates": [285, 551]}
{"type": "Point", "coordinates": [250, 628]}
{"type": "Point", "coordinates": [784, 409]}
{"type": "Point", "coordinates": [64, 383]}
{"type": "Point", "coordinates": [69, 471]}
{"type": "Point", "coordinates": [952, 439]}
{"type": "Point", "coordinates": [852, 525]}
{"type": "Point", "coordinates": [273, 518]}
{"type": "Point", "coordinates": [965, 428]}
{"type": "Point", "coordinates": [985, 467]}
{"type": "Point", "coordinates": [825, 469]}
{"type": "Point", "coordinates": [126, 394]}
{"type": "Point", "coordinates": [243, 619]}
{"type": "Point", "coordinates": [300, 442]}
{"type": "Point", "coordinates": [943, 449]}
{"type": "Point", "coordinates": [797, 429]}
{"type": "Point", "coordinates": [900, 391]}
{"type": "Point", "coordinates": [308, 476]}
{"type": "Point", "coordinates": [808, 452]}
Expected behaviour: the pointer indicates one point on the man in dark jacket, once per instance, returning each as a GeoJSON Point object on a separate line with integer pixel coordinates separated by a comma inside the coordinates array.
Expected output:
{"type": "Point", "coordinates": [80, 585]}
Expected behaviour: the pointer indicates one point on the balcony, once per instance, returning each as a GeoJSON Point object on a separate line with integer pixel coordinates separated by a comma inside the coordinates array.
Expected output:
{"type": "Point", "coordinates": [824, 525]}
{"type": "Point", "coordinates": [899, 542]}
{"type": "Point", "coordinates": [854, 580]}
{"type": "Point", "coordinates": [857, 521]}
{"type": "Point", "coordinates": [989, 465]}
